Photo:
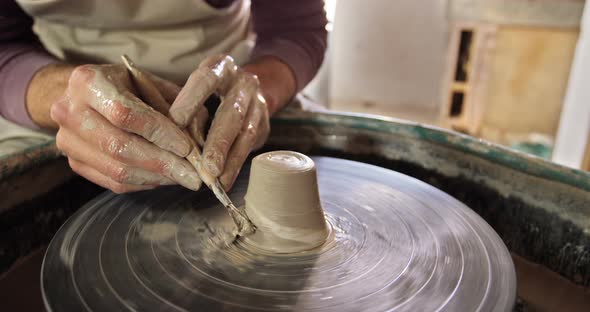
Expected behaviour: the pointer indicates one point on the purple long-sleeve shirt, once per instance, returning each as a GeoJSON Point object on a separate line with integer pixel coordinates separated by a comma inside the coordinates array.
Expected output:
{"type": "Point", "coordinates": [291, 30]}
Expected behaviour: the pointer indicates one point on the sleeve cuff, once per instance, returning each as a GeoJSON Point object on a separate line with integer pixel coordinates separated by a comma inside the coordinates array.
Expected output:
{"type": "Point", "coordinates": [291, 54]}
{"type": "Point", "coordinates": [17, 68]}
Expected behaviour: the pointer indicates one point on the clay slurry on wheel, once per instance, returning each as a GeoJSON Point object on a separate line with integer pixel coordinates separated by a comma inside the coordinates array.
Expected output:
{"type": "Point", "coordinates": [395, 244]}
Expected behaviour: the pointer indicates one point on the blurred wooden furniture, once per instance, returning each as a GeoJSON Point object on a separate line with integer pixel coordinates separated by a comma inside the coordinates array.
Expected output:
{"type": "Point", "coordinates": [508, 67]}
{"type": "Point", "coordinates": [468, 65]}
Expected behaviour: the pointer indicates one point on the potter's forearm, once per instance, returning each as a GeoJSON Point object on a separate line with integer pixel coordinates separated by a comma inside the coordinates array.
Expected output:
{"type": "Point", "coordinates": [277, 81]}
{"type": "Point", "coordinates": [47, 87]}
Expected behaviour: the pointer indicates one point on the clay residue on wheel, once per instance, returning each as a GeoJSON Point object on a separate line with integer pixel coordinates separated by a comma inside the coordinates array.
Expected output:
{"type": "Point", "coordinates": [157, 232]}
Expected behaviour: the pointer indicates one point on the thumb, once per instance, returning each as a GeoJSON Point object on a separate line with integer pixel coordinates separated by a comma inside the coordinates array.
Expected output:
{"type": "Point", "coordinates": [167, 88]}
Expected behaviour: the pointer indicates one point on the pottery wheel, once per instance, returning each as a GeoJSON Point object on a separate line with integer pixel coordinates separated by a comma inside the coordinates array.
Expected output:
{"type": "Point", "coordinates": [396, 244]}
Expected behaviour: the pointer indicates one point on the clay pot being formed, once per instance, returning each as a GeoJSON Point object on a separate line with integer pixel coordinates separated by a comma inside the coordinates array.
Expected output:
{"type": "Point", "coordinates": [284, 203]}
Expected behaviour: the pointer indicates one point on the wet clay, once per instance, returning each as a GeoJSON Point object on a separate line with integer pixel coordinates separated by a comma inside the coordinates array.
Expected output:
{"type": "Point", "coordinates": [284, 203]}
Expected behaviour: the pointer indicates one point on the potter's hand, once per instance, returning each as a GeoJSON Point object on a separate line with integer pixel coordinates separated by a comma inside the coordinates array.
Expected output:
{"type": "Point", "coordinates": [240, 124]}
{"type": "Point", "coordinates": [114, 139]}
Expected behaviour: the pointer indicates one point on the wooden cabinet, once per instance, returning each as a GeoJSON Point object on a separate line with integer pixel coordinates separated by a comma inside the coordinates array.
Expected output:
{"type": "Point", "coordinates": [508, 67]}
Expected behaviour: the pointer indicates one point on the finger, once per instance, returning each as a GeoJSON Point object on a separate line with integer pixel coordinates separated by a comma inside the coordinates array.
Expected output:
{"type": "Point", "coordinates": [228, 122]}
{"type": "Point", "coordinates": [124, 110]}
{"type": "Point", "coordinates": [75, 148]}
{"type": "Point", "coordinates": [132, 149]}
{"type": "Point", "coordinates": [197, 126]}
{"type": "Point", "coordinates": [150, 93]}
{"type": "Point", "coordinates": [59, 110]}
{"type": "Point", "coordinates": [263, 122]}
{"type": "Point", "coordinates": [213, 74]}
{"type": "Point", "coordinates": [147, 88]}
{"type": "Point", "coordinates": [244, 144]}
{"type": "Point", "coordinates": [168, 89]}
{"type": "Point", "coordinates": [98, 178]}
{"type": "Point", "coordinates": [153, 95]}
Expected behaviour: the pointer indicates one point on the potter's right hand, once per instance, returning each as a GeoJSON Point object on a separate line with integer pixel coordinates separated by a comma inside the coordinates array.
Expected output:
{"type": "Point", "coordinates": [114, 139]}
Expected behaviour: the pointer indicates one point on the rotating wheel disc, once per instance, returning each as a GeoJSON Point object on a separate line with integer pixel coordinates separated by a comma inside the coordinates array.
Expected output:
{"type": "Point", "coordinates": [396, 244]}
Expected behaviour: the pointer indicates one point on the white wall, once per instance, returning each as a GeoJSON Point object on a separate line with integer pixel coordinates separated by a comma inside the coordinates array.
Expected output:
{"type": "Point", "coordinates": [574, 125]}
{"type": "Point", "coordinates": [319, 88]}
{"type": "Point", "coordinates": [390, 52]}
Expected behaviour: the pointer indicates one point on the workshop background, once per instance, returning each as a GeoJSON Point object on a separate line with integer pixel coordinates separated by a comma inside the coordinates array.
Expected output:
{"type": "Point", "coordinates": [513, 72]}
{"type": "Point", "coordinates": [509, 71]}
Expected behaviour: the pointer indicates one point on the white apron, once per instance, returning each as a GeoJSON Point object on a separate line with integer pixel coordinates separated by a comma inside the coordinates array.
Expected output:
{"type": "Point", "coordinates": [166, 37]}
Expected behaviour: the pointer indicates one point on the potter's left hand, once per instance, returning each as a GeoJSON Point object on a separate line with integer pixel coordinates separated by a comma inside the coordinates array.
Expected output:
{"type": "Point", "coordinates": [241, 123]}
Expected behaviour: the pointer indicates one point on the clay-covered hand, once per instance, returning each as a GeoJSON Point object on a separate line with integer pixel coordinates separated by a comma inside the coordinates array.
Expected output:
{"type": "Point", "coordinates": [240, 124]}
{"type": "Point", "coordinates": [114, 139]}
